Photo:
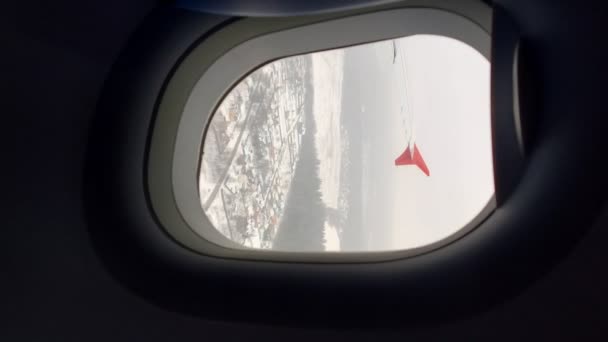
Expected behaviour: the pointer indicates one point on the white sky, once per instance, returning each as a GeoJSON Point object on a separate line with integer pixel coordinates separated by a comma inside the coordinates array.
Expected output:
{"type": "Point", "coordinates": [446, 105]}
{"type": "Point", "coordinates": [449, 93]}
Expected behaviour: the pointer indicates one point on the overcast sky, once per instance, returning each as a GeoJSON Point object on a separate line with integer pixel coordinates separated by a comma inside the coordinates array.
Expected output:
{"type": "Point", "coordinates": [439, 89]}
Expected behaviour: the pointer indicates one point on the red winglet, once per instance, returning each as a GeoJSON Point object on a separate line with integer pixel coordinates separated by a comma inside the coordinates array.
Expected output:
{"type": "Point", "coordinates": [406, 158]}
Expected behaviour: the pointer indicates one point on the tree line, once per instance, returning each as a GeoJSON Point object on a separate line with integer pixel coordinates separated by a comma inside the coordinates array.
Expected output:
{"type": "Point", "coordinates": [302, 225]}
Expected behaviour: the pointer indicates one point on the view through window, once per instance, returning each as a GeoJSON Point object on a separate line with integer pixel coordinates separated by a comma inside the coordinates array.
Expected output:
{"type": "Point", "coordinates": [376, 147]}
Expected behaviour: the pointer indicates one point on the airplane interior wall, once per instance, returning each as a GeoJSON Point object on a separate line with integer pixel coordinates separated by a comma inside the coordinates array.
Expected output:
{"type": "Point", "coordinates": [55, 57]}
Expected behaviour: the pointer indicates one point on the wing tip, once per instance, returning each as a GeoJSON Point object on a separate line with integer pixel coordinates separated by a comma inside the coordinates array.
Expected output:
{"type": "Point", "coordinates": [419, 161]}
{"type": "Point", "coordinates": [406, 158]}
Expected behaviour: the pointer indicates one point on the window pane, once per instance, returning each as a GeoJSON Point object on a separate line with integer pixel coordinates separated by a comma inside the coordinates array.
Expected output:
{"type": "Point", "coordinates": [376, 147]}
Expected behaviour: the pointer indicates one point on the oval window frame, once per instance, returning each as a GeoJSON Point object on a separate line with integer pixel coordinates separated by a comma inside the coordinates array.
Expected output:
{"type": "Point", "coordinates": [177, 134]}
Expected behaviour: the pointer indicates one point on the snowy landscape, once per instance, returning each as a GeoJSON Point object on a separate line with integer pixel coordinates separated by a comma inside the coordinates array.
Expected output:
{"type": "Point", "coordinates": [250, 152]}
{"type": "Point", "coordinates": [253, 145]}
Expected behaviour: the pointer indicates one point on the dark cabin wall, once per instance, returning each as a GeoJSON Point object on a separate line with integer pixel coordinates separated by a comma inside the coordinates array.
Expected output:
{"type": "Point", "coordinates": [53, 287]}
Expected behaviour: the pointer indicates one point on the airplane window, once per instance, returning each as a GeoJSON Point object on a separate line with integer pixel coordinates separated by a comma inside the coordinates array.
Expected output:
{"type": "Point", "coordinates": [375, 147]}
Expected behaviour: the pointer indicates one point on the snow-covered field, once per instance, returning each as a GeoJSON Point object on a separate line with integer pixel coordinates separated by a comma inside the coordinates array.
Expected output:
{"type": "Point", "coordinates": [250, 153]}
{"type": "Point", "coordinates": [327, 108]}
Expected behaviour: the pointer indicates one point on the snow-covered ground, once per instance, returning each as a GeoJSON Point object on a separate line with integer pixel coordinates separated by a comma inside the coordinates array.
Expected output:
{"type": "Point", "coordinates": [327, 108]}
{"type": "Point", "coordinates": [243, 191]}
